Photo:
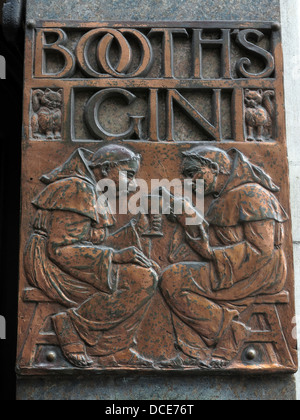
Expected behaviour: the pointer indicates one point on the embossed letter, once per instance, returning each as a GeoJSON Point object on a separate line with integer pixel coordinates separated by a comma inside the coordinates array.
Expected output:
{"type": "Point", "coordinates": [223, 43]}
{"type": "Point", "coordinates": [212, 130]}
{"type": "Point", "coordinates": [92, 111]}
{"type": "Point", "coordinates": [57, 46]}
{"type": "Point", "coordinates": [168, 48]}
{"type": "Point", "coordinates": [242, 40]}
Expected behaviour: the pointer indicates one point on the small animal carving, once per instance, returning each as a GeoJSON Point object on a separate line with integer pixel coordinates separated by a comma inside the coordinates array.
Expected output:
{"type": "Point", "coordinates": [259, 114]}
{"type": "Point", "coordinates": [46, 120]}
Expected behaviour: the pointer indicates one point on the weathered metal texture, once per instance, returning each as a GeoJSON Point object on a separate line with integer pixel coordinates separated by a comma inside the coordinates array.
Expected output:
{"type": "Point", "coordinates": [203, 100]}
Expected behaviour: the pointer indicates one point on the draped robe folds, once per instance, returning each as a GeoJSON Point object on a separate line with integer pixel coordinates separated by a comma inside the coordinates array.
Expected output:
{"type": "Point", "coordinates": [68, 259]}
{"type": "Point", "coordinates": [246, 228]}
{"type": "Point", "coordinates": [249, 259]}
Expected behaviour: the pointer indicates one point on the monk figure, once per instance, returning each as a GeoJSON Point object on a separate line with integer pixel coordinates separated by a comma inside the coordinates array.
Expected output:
{"type": "Point", "coordinates": [239, 244]}
{"type": "Point", "coordinates": [104, 281]}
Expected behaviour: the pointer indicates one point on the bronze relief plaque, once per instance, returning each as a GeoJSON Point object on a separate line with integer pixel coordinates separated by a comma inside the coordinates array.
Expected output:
{"type": "Point", "coordinates": [119, 116]}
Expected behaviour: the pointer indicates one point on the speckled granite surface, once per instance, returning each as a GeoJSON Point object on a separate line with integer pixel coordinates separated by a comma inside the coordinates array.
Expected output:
{"type": "Point", "coordinates": [170, 387]}
{"type": "Point", "coordinates": [151, 10]}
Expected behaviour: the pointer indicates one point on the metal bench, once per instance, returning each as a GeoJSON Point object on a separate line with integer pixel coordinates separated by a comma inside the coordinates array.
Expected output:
{"type": "Point", "coordinates": [44, 308]}
{"type": "Point", "coordinates": [262, 311]}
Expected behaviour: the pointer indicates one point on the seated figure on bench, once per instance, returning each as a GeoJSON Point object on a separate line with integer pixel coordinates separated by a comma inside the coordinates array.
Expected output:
{"type": "Point", "coordinates": [105, 281]}
{"type": "Point", "coordinates": [239, 243]}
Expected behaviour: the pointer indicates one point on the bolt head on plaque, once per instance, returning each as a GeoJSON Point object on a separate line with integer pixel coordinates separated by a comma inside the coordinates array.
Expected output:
{"type": "Point", "coordinates": [51, 356]}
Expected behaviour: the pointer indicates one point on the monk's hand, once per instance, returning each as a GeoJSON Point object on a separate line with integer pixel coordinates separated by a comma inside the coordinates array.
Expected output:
{"type": "Point", "coordinates": [175, 208]}
{"type": "Point", "coordinates": [203, 243]}
{"type": "Point", "coordinates": [131, 255]}
{"type": "Point", "coordinates": [156, 267]}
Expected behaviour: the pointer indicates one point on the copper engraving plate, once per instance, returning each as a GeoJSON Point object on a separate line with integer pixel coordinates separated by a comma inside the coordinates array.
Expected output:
{"type": "Point", "coordinates": [171, 288]}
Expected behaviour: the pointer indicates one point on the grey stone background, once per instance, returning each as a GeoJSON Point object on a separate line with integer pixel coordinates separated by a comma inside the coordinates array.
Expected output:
{"type": "Point", "coordinates": [183, 387]}
{"type": "Point", "coordinates": [151, 10]}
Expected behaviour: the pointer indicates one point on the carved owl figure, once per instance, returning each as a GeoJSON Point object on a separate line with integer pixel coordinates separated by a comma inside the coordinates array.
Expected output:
{"type": "Point", "coordinates": [47, 118]}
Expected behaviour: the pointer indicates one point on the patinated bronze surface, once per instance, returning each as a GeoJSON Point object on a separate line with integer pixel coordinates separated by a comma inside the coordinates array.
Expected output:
{"type": "Point", "coordinates": [189, 101]}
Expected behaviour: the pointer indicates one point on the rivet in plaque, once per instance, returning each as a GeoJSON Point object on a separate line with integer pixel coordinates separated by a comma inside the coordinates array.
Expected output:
{"type": "Point", "coordinates": [251, 354]}
{"type": "Point", "coordinates": [51, 356]}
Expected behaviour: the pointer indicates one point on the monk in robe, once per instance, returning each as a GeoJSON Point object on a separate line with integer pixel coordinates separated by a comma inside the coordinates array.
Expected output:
{"type": "Point", "coordinates": [239, 244]}
{"type": "Point", "coordinates": [105, 281]}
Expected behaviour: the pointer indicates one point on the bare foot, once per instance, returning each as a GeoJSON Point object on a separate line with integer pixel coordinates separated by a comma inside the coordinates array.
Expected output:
{"type": "Point", "coordinates": [78, 359]}
{"type": "Point", "coordinates": [219, 363]}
